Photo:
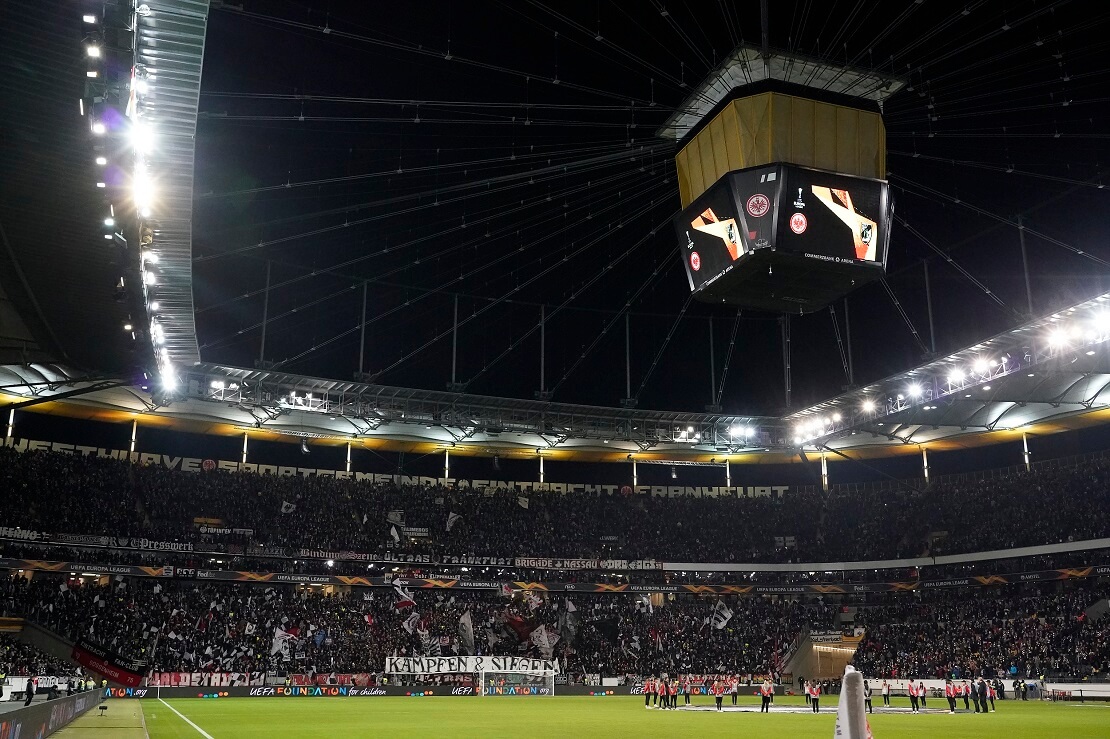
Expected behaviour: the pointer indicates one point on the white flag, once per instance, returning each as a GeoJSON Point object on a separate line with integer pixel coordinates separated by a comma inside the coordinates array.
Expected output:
{"type": "Point", "coordinates": [851, 720]}
{"type": "Point", "coordinates": [287, 507]}
{"type": "Point", "coordinates": [411, 622]}
{"type": "Point", "coordinates": [394, 534]}
{"type": "Point", "coordinates": [542, 641]}
{"type": "Point", "coordinates": [466, 634]}
{"type": "Point", "coordinates": [522, 501]}
{"type": "Point", "coordinates": [721, 615]}
{"type": "Point", "coordinates": [452, 519]}
{"type": "Point", "coordinates": [281, 639]}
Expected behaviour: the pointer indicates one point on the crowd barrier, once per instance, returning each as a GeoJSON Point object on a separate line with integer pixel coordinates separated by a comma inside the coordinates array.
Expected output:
{"type": "Point", "coordinates": [43, 718]}
{"type": "Point", "coordinates": [353, 691]}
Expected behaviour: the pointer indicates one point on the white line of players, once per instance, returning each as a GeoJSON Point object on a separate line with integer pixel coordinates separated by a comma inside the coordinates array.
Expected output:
{"type": "Point", "coordinates": [979, 691]}
{"type": "Point", "coordinates": [662, 693]}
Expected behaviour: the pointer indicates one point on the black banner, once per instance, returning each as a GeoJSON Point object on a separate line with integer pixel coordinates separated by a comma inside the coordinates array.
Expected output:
{"type": "Point", "coordinates": [559, 587]}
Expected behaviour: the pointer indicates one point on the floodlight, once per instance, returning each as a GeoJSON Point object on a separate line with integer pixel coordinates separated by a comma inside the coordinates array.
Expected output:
{"type": "Point", "coordinates": [869, 406]}
{"type": "Point", "coordinates": [914, 390]}
{"type": "Point", "coordinates": [93, 51]}
{"type": "Point", "coordinates": [109, 222]}
{"type": "Point", "coordinates": [836, 418]}
{"type": "Point", "coordinates": [980, 366]}
{"type": "Point", "coordinates": [154, 305]}
{"type": "Point", "coordinates": [1057, 339]}
{"type": "Point", "coordinates": [142, 137]}
{"type": "Point", "coordinates": [92, 74]}
{"type": "Point", "coordinates": [102, 161]}
{"type": "Point", "coordinates": [89, 18]}
{"type": "Point", "coordinates": [101, 184]}
{"type": "Point", "coordinates": [956, 376]}
{"type": "Point", "coordinates": [141, 86]}
{"type": "Point", "coordinates": [142, 190]}
{"type": "Point", "coordinates": [98, 128]}
{"type": "Point", "coordinates": [150, 278]}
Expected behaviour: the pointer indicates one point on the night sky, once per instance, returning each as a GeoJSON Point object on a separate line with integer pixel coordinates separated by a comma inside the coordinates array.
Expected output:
{"type": "Point", "coordinates": [424, 149]}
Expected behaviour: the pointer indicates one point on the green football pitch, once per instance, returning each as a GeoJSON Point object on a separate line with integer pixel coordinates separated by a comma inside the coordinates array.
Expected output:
{"type": "Point", "coordinates": [577, 717]}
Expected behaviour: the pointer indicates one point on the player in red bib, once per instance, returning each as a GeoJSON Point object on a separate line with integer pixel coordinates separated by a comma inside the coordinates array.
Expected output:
{"type": "Point", "coordinates": [765, 693]}
{"type": "Point", "coordinates": [814, 690]}
{"type": "Point", "coordinates": [950, 694]}
{"type": "Point", "coordinates": [661, 689]}
{"type": "Point", "coordinates": [649, 691]}
{"type": "Point", "coordinates": [686, 690]}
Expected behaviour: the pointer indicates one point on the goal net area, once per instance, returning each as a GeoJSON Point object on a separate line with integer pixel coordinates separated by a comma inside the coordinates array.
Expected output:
{"type": "Point", "coordinates": [516, 683]}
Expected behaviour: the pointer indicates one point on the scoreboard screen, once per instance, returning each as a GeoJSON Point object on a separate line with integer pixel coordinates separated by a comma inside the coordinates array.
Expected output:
{"type": "Point", "coordinates": [729, 220]}
{"type": "Point", "coordinates": [784, 237]}
{"type": "Point", "coordinates": [833, 217]}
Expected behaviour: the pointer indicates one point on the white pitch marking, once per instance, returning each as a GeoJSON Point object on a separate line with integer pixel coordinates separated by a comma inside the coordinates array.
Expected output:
{"type": "Point", "coordinates": [182, 716]}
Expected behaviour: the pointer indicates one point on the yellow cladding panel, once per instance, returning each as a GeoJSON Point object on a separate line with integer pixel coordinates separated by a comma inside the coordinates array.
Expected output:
{"type": "Point", "coordinates": [720, 152]}
{"type": "Point", "coordinates": [683, 178]}
{"type": "Point", "coordinates": [847, 141]}
{"type": "Point", "coordinates": [824, 137]}
{"type": "Point", "coordinates": [732, 137]}
{"type": "Point", "coordinates": [773, 127]}
{"type": "Point", "coordinates": [803, 142]}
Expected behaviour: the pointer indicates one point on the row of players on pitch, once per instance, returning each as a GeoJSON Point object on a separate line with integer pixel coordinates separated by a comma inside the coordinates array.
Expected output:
{"type": "Point", "coordinates": [663, 693]}
{"type": "Point", "coordinates": [979, 691]}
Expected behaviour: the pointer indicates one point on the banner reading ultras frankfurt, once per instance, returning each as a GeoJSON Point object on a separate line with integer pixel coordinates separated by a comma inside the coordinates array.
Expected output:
{"type": "Point", "coordinates": [440, 665]}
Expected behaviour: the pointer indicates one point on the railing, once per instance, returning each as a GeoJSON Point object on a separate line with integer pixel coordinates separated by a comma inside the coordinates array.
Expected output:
{"type": "Point", "coordinates": [996, 473]}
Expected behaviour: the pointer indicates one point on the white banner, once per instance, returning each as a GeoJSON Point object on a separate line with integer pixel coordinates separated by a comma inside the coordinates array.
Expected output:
{"type": "Point", "coordinates": [439, 665]}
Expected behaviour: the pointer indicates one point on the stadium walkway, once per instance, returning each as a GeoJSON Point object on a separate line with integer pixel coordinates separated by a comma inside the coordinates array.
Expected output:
{"type": "Point", "coordinates": [122, 720]}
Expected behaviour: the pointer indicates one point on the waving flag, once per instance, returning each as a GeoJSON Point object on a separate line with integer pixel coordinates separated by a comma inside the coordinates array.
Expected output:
{"type": "Point", "coordinates": [287, 507]}
{"type": "Point", "coordinates": [411, 622]}
{"type": "Point", "coordinates": [404, 598]}
{"type": "Point", "coordinates": [466, 634]}
{"type": "Point", "coordinates": [851, 720]}
{"type": "Point", "coordinates": [452, 519]}
{"type": "Point", "coordinates": [721, 615]}
{"type": "Point", "coordinates": [281, 640]}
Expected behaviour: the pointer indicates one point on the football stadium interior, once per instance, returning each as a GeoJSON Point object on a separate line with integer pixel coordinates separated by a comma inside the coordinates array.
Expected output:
{"type": "Point", "coordinates": [354, 362]}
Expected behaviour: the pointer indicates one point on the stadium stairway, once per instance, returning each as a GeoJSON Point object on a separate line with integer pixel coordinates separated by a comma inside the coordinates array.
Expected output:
{"type": "Point", "coordinates": [820, 661]}
{"type": "Point", "coordinates": [47, 641]}
{"type": "Point", "coordinates": [1097, 610]}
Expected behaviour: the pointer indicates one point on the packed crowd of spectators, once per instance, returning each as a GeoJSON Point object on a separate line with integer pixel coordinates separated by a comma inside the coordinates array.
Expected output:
{"type": "Point", "coordinates": [21, 659]}
{"type": "Point", "coordinates": [175, 625]}
{"type": "Point", "coordinates": [1012, 634]}
{"type": "Point", "coordinates": [84, 495]}
{"type": "Point", "coordinates": [194, 626]}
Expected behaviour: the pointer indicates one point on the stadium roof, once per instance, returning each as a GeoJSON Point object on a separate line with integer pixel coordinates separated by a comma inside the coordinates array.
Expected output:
{"type": "Point", "coordinates": [1051, 370]}
{"type": "Point", "coordinates": [749, 65]}
{"type": "Point", "coordinates": [378, 201]}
